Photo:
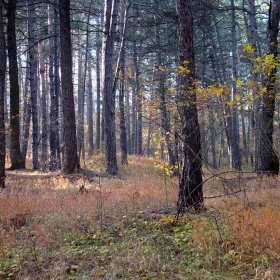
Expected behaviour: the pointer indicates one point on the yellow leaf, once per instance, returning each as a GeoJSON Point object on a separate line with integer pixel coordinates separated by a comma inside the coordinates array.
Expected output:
{"type": "Point", "coordinates": [219, 92]}
{"type": "Point", "coordinates": [239, 83]}
{"type": "Point", "coordinates": [236, 97]}
{"type": "Point", "coordinates": [230, 103]}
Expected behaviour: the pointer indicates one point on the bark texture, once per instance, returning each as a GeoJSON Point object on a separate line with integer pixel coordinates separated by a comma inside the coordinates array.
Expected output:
{"type": "Point", "coordinates": [33, 62]}
{"type": "Point", "coordinates": [15, 152]}
{"type": "Point", "coordinates": [190, 185]}
{"type": "Point", "coordinates": [267, 161]}
{"type": "Point", "coordinates": [71, 162]}
{"type": "Point", "coordinates": [110, 16]}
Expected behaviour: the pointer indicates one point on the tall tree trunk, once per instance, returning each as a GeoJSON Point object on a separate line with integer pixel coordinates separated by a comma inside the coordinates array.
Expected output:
{"type": "Point", "coordinates": [110, 17]}
{"type": "Point", "coordinates": [190, 185]}
{"type": "Point", "coordinates": [232, 120]}
{"type": "Point", "coordinates": [71, 161]}
{"type": "Point", "coordinates": [54, 163]}
{"type": "Point", "coordinates": [98, 91]}
{"type": "Point", "coordinates": [90, 94]}
{"type": "Point", "coordinates": [3, 60]}
{"type": "Point", "coordinates": [44, 121]}
{"type": "Point", "coordinates": [81, 96]}
{"type": "Point", "coordinates": [15, 152]}
{"type": "Point", "coordinates": [127, 119]}
{"type": "Point", "coordinates": [133, 120]}
{"type": "Point", "coordinates": [90, 107]}
{"type": "Point", "coordinates": [33, 59]}
{"type": "Point", "coordinates": [123, 140]}
{"type": "Point", "coordinates": [26, 116]}
{"type": "Point", "coordinates": [165, 119]}
{"type": "Point", "coordinates": [137, 61]}
{"type": "Point", "coordinates": [267, 161]}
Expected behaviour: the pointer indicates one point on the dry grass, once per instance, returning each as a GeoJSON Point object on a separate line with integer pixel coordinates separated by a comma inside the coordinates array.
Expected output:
{"type": "Point", "coordinates": [124, 227]}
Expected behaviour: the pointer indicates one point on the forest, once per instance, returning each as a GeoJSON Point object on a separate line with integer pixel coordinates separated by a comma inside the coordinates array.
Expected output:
{"type": "Point", "coordinates": [139, 139]}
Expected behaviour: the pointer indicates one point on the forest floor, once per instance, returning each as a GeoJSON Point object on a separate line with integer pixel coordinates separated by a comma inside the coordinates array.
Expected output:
{"type": "Point", "coordinates": [125, 227]}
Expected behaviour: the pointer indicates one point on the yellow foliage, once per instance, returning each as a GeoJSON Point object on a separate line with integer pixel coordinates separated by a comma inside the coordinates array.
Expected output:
{"type": "Point", "coordinates": [247, 48]}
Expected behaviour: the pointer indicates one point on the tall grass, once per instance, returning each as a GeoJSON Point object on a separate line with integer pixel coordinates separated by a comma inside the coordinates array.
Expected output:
{"type": "Point", "coordinates": [119, 228]}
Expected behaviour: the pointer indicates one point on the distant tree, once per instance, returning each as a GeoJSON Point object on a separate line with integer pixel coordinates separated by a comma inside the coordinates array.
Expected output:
{"type": "Point", "coordinates": [26, 119]}
{"type": "Point", "coordinates": [267, 161]}
{"type": "Point", "coordinates": [165, 118]}
{"type": "Point", "coordinates": [232, 119]}
{"type": "Point", "coordinates": [15, 152]}
{"type": "Point", "coordinates": [98, 88]}
{"type": "Point", "coordinates": [71, 162]}
{"type": "Point", "coordinates": [2, 98]}
{"type": "Point", "coordinates": [190, 185]}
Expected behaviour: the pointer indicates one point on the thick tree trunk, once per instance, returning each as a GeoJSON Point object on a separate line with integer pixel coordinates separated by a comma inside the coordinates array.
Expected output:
{"type": "Point", "coordinates": [71, 162]}
{"type": "Point", "coordinates": [190, 185]}
{"type": "Point", "coordinates": [267, 161]}
{"type": "Point", "coordinates": [15, 152]}
{"type": "Point", "coordinates": [33, 59]}
{"type": "Point", "coordinates": [2, 99]}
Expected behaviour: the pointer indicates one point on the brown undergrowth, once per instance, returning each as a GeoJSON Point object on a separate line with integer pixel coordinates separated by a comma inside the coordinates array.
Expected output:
{"type": "Point", "coordinates": [91, 226]}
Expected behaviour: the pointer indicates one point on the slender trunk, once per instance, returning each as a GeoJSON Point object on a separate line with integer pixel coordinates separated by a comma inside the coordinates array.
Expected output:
{"type": "Point", "coordinates": [33, 57]}
{"type": "Point", "coordinates": [98, 90]}
{"type": "Point", "coordinates": [26, 116]}
{"type": "Point", "coordinates": [244, 138]}
{"type": "Point", "coordinates": [81, 96]}
{"type": "Point", "coordinates": [122, 115]}
{"type": "Point", "coordinates": [90, 108]}
{"type": "Point", "coordinates": [133, 120]}
{"type": "Point", "coordinates": [235, 155]}
{"type": "Point", "coordinates": [127, 119]}
{"type": "Point", "coordinates": [123, 142]}
{"type": "Point", "coordinates": [54, 163]}
{"type": "Point", "coordinates": [88, 69]}
{"type": "Point", "coordinates": [3, 60]}
{"type": "Point", "coordinates": [138, 136]}
{"type": "Point", "coordinates": [165, 119]}
{"type": "Point", "coordinates": [213, 138]}
{"type": "Point", "coordinates": [44, 138]}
